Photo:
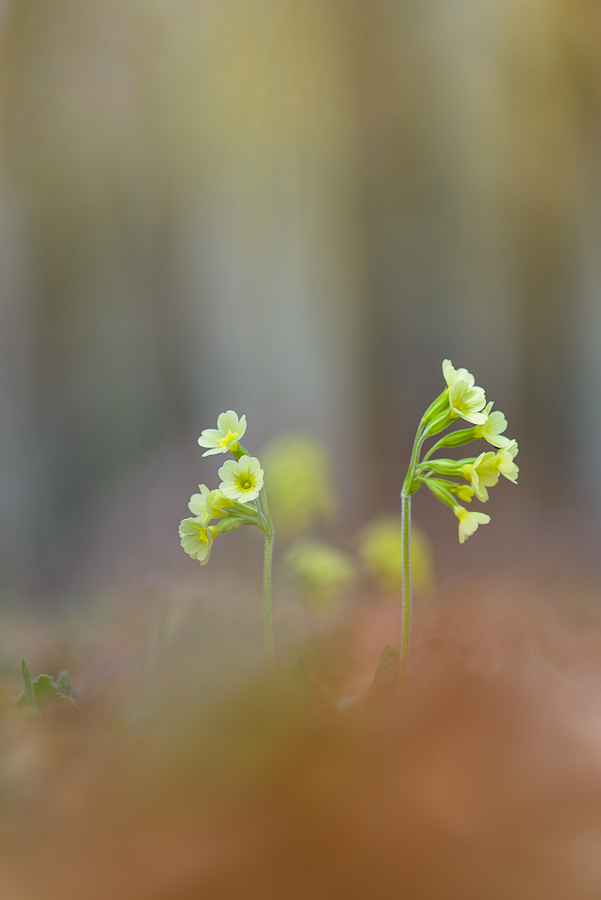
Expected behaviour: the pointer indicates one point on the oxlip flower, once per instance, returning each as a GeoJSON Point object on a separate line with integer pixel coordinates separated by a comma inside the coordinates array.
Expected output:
{"type": "Point", "coordinates": [469, 522]}
{"type": "Point", "coordinates": [465, 399]}
{"type": "Point", "coordinates": [505, 461]}
{"type": "Point", "coordinates": [482, 473]}
{"type": "Point", "coordinates": [230, 429]}
{"type": "Point", "coordinates": [492, 430]}
{"type": "Point", "coordinates": [196, 539]}
{"type": "Point", "coordinates": [464, 492]}
{"type": "Point", "coordinates": [242, 479]}
{"type": "Point", "coordinates": [208, 504]}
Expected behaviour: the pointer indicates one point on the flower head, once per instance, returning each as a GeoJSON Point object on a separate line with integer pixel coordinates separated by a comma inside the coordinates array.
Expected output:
{"type": "Point", "coordinates": [465, 399]}
{"type": "Point", "coordinates": [492, 430]}
{"type": "Point", "coordinates": [196, 539]}
{"type": "Point", "coordinates": [208, 504]}
{"type": "Point", "coordinates": [483, 473]}
{"type": "Point", "coordinates": [469, 522]}
{"type": "Point", "coordinates": [229, 431]}
{"type": "Point", "coordinates": [464, 492]}
{"type": "Point", "coordinates": [505, 461]}
{"type": "Point", "coordinates": [242, 479]}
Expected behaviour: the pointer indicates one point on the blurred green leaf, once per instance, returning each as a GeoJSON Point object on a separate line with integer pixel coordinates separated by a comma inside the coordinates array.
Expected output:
{"type": "Point", "coordinates": [67, 688]}
{"type": "Point", "coordinates": [389, 660]}
{"type": "Point", "coordinates": [30, 700]}
{"type": "Point", "coordinates": [299, 689]}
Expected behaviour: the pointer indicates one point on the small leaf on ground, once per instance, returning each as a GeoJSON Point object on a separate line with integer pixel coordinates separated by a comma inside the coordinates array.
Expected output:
{"type": "Point", "coordinates": [299, 689]}
{"type": "Point", "coordinates": [389, 660]}
{"type": "Point", "coordinates": [67, 688]}
{"type": "Point", "coordinates": [30, 700]}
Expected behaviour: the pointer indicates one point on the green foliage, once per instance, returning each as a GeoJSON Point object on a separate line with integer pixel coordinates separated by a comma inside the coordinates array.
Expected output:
{"type": "Point", "coordinates": [28, 693]}
{"type": "Point", "coordinates": [41, 693]}
{"type": "Point", "coordinates": [299, 693]}
{"type": "Point", "coordinates": [389, 660]}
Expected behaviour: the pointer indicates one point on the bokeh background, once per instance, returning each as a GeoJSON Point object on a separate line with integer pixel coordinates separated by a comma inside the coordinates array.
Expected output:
{"type": "Point", "coordinates": [295, 210]}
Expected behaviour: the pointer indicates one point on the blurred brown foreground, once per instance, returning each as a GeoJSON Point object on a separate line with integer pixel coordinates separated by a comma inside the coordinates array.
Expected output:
{"type": "Point", "coordinates": [483, 781]}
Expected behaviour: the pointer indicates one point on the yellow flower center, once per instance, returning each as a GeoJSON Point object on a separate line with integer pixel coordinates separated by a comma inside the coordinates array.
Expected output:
{"type": "Point", "coordinates": [229, 437]}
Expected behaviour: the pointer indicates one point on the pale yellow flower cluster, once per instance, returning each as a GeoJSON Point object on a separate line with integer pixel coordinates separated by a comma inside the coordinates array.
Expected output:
{"type": "Point", "coordinates": [233, 502]}
{"type": "Point", "coordinates": [464, 399]}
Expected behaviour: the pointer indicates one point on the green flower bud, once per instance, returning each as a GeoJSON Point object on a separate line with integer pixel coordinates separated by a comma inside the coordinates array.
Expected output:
{"type": "Point", "coordinates": [456, 438]}
{"type": "Point", "coordinates": [441, 491]}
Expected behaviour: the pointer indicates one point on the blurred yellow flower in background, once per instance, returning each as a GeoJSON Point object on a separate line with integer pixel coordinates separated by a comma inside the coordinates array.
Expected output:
{"type": "Point", "coordinates": [321, 572]}
{"type": "Point", "coordinates": [300, 488]}
{"type": "Point", "coordinates": [380, 550]}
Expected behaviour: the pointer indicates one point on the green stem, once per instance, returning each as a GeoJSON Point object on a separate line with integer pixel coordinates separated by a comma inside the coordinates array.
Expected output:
{"type": "Point", "coordinates": [406, 586]}
{"type": "Point", "coordinates": [267, 606]}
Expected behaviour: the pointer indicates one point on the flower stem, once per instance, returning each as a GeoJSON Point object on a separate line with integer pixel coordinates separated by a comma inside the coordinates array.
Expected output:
{"type": "Point", "coordinates": [267, 606]}
{"type": "Point", "coordinates": [406, 586]}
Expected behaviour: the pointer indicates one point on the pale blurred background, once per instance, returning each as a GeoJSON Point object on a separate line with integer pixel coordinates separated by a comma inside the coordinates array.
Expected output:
{"type": "Point", "coordinates": [295, 210]}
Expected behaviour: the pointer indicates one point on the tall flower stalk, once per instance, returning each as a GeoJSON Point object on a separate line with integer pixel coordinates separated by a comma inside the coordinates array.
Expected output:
{"type": "Point", "coordinates": [461, 399]}
{"type": "Point", "coordinates": [241, 499]}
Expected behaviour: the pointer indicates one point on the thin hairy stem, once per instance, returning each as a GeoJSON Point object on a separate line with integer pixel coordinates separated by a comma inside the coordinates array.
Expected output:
{"type": "Point", "coordinates": [267, 605]}
{"type": "Point", "coordinates": [406, 603]}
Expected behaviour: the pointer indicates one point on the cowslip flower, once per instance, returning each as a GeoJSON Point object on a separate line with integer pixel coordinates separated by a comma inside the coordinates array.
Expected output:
{"type": "Point", "coordinates": [465, 399]}
{"type": "Point", "coordinates": [483, 473]}
{"type": "Point", "coordinates": [505, 461]}
{"type": "Point", "coordinates": [208, 504]}
{"type": "Point", "coordinates": [196, 539]}
{"type": "Point", "coordinates": [230, 429]}
{"type": "Point", "coordinates": [464, 492]}
{"type": "Point", "coordinates": [242, 479]}
{"type": "Point", "coordinates": [469, 522]}
{"type": "Point", "coordinates": [492, 430]}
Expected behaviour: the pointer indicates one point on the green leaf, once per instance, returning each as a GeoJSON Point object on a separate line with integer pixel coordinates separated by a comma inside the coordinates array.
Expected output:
{"type": "Point", "coordinates": [45, 691]}
{"type": "Point", "coordinates": [28, 691]}
{"type": "Point", "coordinates": [67, 688]}
{"type": "Point", "coordinates": [299, 689]}
{"type": "Point", "coordinates": [389, 660]}
{"type": "Point", "coordinates": [38, 695]}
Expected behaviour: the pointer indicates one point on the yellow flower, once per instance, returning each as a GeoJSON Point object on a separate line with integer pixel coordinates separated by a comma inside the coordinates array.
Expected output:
{"type": "Point", "coordinates": [321, 571]}
{"type": "Point", "coordinates": [465, 399]}
{"type": "Point", "coordinates": [196, 539]}
{"type": "Point", "coordinates": [505, 461]}
{"type": "Point", "coordinates": [242, 479]}
{"type": "Point", "coordinates": [229, 431]}
{"type": "Point", "coordinates": [300, 488]}
{"type": "Point", "coordinates": [464, 492]}
{"type": "Point", "coordinates": [492, 430]}
{"type": "Point", "coordinates": [482, 473]}
{"type": "Point", "coordinates": [469, 522]}
{"type": "Point", "coordinates": [380, 548]}
{"type": "Point", "coordinates": [208, 504]}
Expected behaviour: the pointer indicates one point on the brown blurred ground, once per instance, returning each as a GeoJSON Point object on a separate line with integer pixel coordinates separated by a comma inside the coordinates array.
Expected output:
{"type": "Point", "coordinates": [484, 781]}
